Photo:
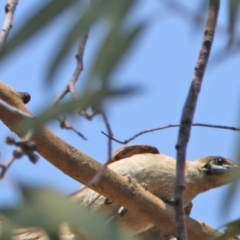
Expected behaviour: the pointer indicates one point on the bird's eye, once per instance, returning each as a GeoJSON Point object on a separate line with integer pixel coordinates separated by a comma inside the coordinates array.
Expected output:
{"type": "Point", "coordinates": [219, 161]}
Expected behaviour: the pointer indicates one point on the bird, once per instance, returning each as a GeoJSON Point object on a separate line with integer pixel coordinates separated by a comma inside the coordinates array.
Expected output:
{"type": "Point", "coordinates": [154, 171]}
{"type": "Point", "coordinates": [157, 173]}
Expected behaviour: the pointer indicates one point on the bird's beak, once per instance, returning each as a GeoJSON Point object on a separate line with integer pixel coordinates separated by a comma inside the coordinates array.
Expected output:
{"type": "Point", "coordinates": [223, 169]}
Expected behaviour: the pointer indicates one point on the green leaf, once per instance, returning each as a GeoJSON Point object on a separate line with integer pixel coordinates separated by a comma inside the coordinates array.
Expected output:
{"type": "Point", "coordinates": [233, 12]}
{"type": "Point", "coordinates": [232, 190]}
{"type": "Point", "coordinates": [49, 209]}
{"type": "Point", "coordinates": [116, 45]}
{"type": "Point", "coordinates": [111, 10]}
{"type": "Point", "coordinates": [5, 228]}
{"type": "Point", "coordinates": [232, 230]}
{"type": "Point", "coordinates": [73, 35]}
{"type": "Point", "coordinates": [42, 18]}
{"type": "Point", "coordinates": [94, 100]}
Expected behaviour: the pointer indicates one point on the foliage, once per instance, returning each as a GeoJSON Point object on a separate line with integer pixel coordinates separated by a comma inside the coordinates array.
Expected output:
{"type": "Point", "coordinates": [43, 207]}
{"type": "Point", "coordinates": [48, 209]}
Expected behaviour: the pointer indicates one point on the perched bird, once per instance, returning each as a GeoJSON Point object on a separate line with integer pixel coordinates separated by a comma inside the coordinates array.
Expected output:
{"type": "Point", "coordinates": [156, 172]}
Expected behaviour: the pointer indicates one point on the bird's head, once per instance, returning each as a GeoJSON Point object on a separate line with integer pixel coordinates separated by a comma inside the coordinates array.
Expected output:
{"type": "Point", "coordinates": [217, 170]}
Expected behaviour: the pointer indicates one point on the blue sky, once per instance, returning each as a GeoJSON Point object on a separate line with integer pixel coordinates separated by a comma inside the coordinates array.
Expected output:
{"type": "Point", "coordinates": [161, 63]}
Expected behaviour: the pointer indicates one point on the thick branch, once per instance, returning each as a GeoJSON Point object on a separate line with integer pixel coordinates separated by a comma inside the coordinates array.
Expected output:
{"type": "Point", "coordinates": [83, 168]}
{"type": "Point", "coordinates": [188, 114]}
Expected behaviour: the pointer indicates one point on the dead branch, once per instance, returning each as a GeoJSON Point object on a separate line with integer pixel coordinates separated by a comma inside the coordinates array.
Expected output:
{"type": "Point", "coordinates": [188, 114]}
{"type": "Point", "coordinates": [64, 124]}
{"type": "Point", "coordinates": [8, 23]}
{"type": "Point", "coordinates": [79, 68]}
{"type": "Point", "coordinates": [70, 88]}
{"type": "Point", "coordinates": [95, 180]}
{"type": "Point", "coordinates": [110, 133]}
{"type": "Point", "coordinates": [170, 126]}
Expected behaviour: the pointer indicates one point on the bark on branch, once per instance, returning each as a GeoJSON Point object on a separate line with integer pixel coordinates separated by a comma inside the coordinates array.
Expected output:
{"type": "Point", "coordinates": [188, 114]}
{"type": "Point", "coordinates": [8, 22]}
{"type": "Point", "coordinates": [83, 168]}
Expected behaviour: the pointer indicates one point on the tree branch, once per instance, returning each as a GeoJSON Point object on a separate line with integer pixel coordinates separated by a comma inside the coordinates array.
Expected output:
{"type": "Point", "coordinates": [188, 114]}
{"type": "Point", "coordinates": [71, 85]}
{"type": "Point", "coordinates": [79, 68]}
{"type": "Point", "coordinates": [83, 168]}
{"type": "Point", "coordinates": [170, 126]}
{"type": "Point", "coordinates": [7, 25]}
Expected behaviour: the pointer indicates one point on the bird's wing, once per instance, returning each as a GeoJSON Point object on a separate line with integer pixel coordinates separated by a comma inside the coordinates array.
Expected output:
{"type": "Point", "coordinates": [131, 169]}
{"type": "Point", "coordinates": [129, 151]}
{"type": "Point", "coordinates": [88, 197]}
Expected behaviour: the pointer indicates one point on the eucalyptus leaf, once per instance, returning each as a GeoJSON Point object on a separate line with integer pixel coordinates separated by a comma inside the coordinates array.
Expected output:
{"type": "Point", "coordinates": [116, 45]}
{"type": "Point", "coordinates": [94, 100]}
{"type": "Point", "coordinates": [5, 228]}
{"type": "Point", "coordinates": [41, 19]}
{"type": "Point", "coordinates": [48, 209]}
{"type": "Point", "coordinates": [111, 10]}
{"type": "Point", "coordinates": [232, 230]}
{"type": "Point", "coordinates": [233, 13]}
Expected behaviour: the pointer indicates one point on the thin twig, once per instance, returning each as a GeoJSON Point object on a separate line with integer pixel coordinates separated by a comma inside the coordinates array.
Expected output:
{"type": "Point", "coordinates": [6, 166]}
{"type": "Point", "coordinates": [79, 68]}
{"type": "Point", "coordinates": [188, 114]}
{"type": "Point", "coordinates": [110, 133]}
{"type": "Point", "coordinates": [23, 147]}
{"type": "Point", "coordinates": [61, 95]}
{"type": "Point", "coordinates": [88, 116]}
{"type": "Point", "coordinates": [71, 85]}
{"type": "Point", "coordinates": [66, 125]}
{"type": "Point", "coordinates": [170, 126]}
{"type": "Point", "coordinates": [98, 176]}
{"type": "Point", "coordinates": [8, 23]}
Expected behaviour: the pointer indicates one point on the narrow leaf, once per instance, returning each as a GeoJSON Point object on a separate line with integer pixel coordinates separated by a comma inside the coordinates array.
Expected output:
{"type": "Point", "coordinates": [88, 100]}
{"type": "Point", "coordinates": [41, 19]}
{"type": "Point", "coordinates": [112, 10]}
{"type": "Point", "coordinates": [233, 12]}
{"type": "Point", "coordinates": [116, 45]}
{"type": "Point", "coordinates": [49, 209]}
